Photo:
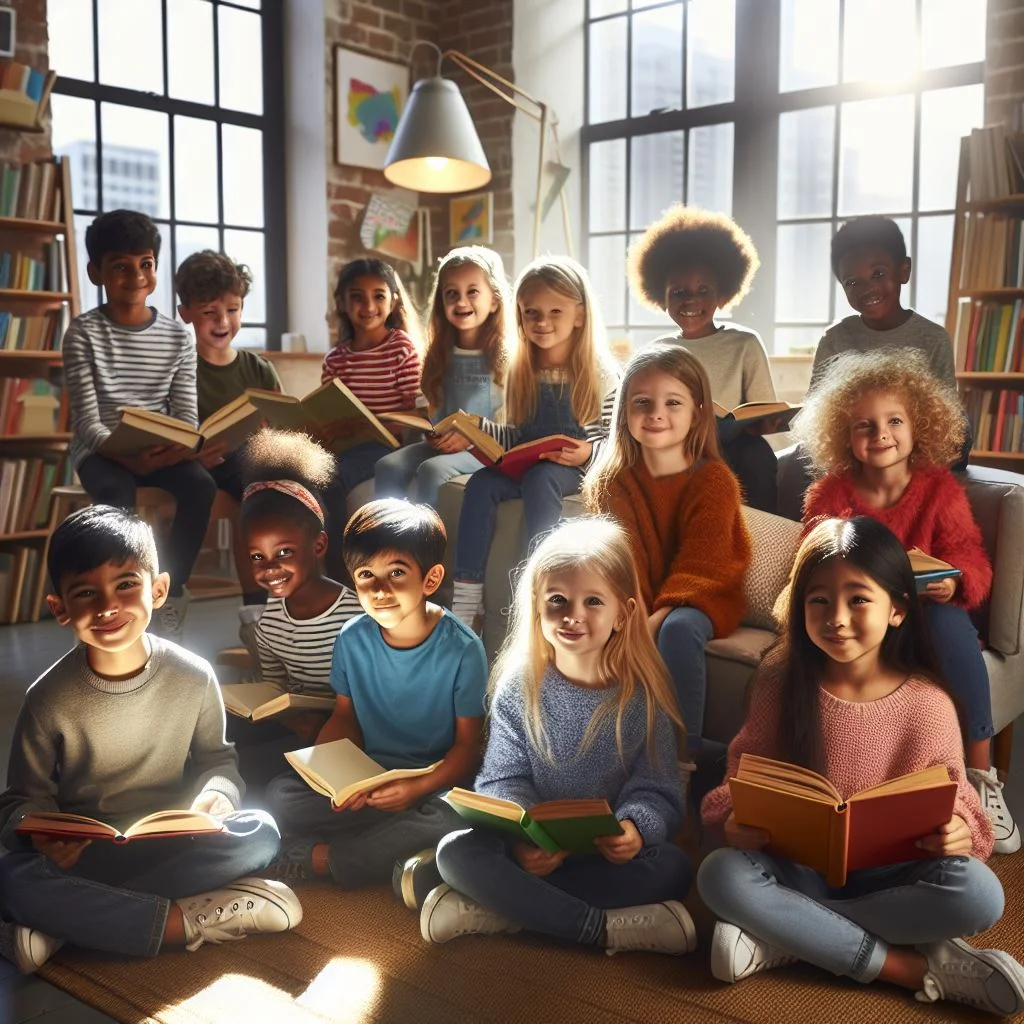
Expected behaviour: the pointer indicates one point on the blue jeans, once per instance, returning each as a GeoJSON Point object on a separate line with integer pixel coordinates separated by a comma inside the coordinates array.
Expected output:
{"type": "Point", "coordinates": [569, 903]}
{"type": "Point", "coordinates": [542, 489]}
{"type": "Point", "coordinates": [956, 643]}
{"type": "Point", "coordinates": [848, 931]}
{"type": "Point", "coordinates": [420, 464]}
{"type": "Point", "coordinates": [681, 642]}
{"type": "Point", "coordinates": [362, 845]}
{"type": "Point", "coordinates": [116, 897]}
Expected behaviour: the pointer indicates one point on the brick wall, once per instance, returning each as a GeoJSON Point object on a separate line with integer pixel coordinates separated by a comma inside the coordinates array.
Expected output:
{"type": "Point", "coordinates": [1004, 63]}
{"type": "Point", "coordinates": [30, 48]}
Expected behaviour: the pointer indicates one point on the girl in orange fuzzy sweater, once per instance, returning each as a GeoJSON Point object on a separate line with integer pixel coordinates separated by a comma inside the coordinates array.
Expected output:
{"type": "Point", "coordinates": [661, 476]}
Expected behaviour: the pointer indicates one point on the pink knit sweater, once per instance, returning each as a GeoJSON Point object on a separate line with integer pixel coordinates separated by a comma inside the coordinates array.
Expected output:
{"type": "Point", "coordinates": [865, 744]}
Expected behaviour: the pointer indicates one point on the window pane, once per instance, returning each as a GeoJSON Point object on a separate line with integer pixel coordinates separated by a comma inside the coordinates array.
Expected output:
{"type": "Point", "coordinates": [89, 294]}
{"type": "Point", "coordinates": [657, 60]}
{"type": "Point", "coordinates": [247, 247]}
{"type": "Point", "coordinates": [195, 169]}
{"type": "Point", "coordinates": [131, 44]}
{"type": "Point", "coordinates": [797, 339]}
{"type": "Point", "coordinates": [69, 24]}
{"type": "Point", "coordinates": [946, 116]}
{"type": "Point", "coordinates": [243, 175]}
{"type": "Point", "coordinates": [599, 8]}
{"type": "Point", "coordinates": [74, 136]}
{"type": "Point", "coordinates": [710, 167]}
{"type": "Point", "coordinates": [607, 88]}
{"type": "Point", "coordinates": [657, 179]}
{"type": "Point", "coordinates": [952, 32]}
{"type": "Point", "coordinates": [803, 272]}
{"type": "Point", "coordinates": [808, 44]}
{"type": "Point", "coordinates": [607, 267]}
{"type": "Point", "coordinates": [251, 337]}
{"type": "Point", "coordinates": [190, 50]}
{"type": "Point", "coordinates": [881, 56]}
{"type": "Point", "coordinates": [189, 239]}
{"type": "Point", "coordinates": [608, 186]}
{"type": "Point", "coordinates": [806, 141]}
{"type": "Point", "coordinates": [240, 50]}
{"type": "Point", "coordinates": [163, 298]}
{"type": "Point", "coordinates": [136, 165]}
{"type": "Point", "coordinates": [710, 52]}
{"type": "Point", "coordinates": [876, 162]}
{"type": "Point", "coordinates": [931, 268]}
{"type": "Point", "coordinates": [251, 4]}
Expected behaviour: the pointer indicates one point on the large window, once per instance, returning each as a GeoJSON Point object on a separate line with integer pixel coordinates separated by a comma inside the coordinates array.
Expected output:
{"type": "Point", "coordinates": [793, 116]}
{"type": "Point", "coordinates": [174, 108]}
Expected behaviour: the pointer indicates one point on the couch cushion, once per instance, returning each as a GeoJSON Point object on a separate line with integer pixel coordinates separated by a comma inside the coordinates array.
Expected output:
{"type": "Point", "coordinates": [745, 645]}
{"type": "Point", "coordinates": [774, 541]}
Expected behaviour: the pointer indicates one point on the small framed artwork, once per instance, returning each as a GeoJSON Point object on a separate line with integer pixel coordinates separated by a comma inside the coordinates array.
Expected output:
{"type": "Point", "coordinates": [369, 96]}
{"type": "Point", "coordinates": [7, 34]}
{"type": "Point", "coordinates": [470, 219]}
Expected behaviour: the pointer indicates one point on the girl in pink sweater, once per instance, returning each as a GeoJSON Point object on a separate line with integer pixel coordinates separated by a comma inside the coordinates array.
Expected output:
{"type": "Point", "coordinates": [855, 673]}
{"type": "Point", "coordinates": [881, 430]}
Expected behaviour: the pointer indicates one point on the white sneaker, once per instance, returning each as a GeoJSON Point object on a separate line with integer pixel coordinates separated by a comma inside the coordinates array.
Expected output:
{"type": "Point", "coordinates": [25, 947]}
{"type": "Point", "coordinates": [244, 907]}
{"type": "Point", "coordinates": [169, 620]}
{"type": "Point", "coordinates": [736, 954]}
{"type": "Point", "coordinates": [990, 789]}
{"type": "Point", "coordinates": [657, 927]}
{"type": "Point", "coordinates": [987, 979]}
{"type": "Point", "coordinates": [447, 914]}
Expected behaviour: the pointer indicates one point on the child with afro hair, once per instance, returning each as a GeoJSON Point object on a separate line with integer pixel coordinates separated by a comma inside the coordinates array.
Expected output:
{"type": "Point", "coordinates": [691, 263]}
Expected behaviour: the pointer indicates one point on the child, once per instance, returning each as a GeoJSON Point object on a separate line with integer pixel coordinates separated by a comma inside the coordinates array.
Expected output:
{"type": "Point", "coordinates": [211, 289]}
{"type": "Point", "coordinates": [410, 681]}
{"type": "Point", "coordinates": [464, 368]}
{"type": "Point", "coordinates": [850, 691]}
{"type": "Point", "coordinates": [126, 353]}
{"type": "Point", "coordinates": [560, 380]}
{"type": "Point", "coordinates": [690, 263]}
{"type": "Point", "coordinates": [662, 478]}
{"type": "Point", "coordinates": [884, 429]}
{"type": "Point", "coordinates": [582, 708]}
{"type": "Point", "coordinates": [123, 725]}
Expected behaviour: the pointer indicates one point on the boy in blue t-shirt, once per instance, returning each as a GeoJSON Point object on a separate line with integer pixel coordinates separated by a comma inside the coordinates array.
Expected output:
{"type": "Point", "coordinates": [410, 680]}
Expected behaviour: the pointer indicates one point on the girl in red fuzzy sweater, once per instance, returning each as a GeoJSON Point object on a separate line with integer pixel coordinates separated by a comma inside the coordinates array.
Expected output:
{"type": "Point", "coordinates": [662, 478]}
{"type": "Point", "coordinates": [850, 690]}
{"type": "Point", "coordinates": [883, 430]}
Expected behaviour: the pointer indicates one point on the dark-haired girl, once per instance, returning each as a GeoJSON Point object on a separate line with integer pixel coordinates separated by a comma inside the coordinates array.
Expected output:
{"type": "Point", "coordinates": [864, 704]}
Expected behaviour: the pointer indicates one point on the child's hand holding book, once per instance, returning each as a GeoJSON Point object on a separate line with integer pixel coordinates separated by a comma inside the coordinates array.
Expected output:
{"type": "Point", "coordinates": [63, 852]}
{"type": "Point", "coordinates": [211, 802]}
{"type": "Point", "coordinates": [575, 454]}
{"type": "Point", "coordinates": [745, 837]}
{"type": "Point", "coordinates": [622, 848]}
{"type": "Point", "coordinates": [535, 861]}
{"type": "Point", "coordinates": [950, 840]}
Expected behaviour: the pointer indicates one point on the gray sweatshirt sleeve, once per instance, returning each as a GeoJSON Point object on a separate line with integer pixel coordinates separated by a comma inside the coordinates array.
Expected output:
{"type": "Point", "coordinates": [214, 761]}
{"type": "Point", "coordinates": [31, 775]}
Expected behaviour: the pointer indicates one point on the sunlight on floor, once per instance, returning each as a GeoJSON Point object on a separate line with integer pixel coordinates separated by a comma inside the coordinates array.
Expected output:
{"type": "Point", "coordinates": [345, 989]}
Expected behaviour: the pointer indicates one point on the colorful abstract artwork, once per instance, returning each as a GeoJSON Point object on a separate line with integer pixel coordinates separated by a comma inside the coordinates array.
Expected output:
{"type": "Point", "coordinates": [391, 226]}
{"type": "Point", "coordinates": [470, 219]}
{"type": "Point", "coordinates": [369, 97]}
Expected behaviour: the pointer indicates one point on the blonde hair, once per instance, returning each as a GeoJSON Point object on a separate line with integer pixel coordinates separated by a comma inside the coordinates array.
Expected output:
{"type": "Point", "coordinates": [936, 416]}
{"type": "Point", "coordinates": [630, 660]}
{"type": "Point", "coordinates": [591, 368]}
{"type": "Point", "coordinates": [442, 335]}
{"type": "Point", "coordinates": [622, 450]}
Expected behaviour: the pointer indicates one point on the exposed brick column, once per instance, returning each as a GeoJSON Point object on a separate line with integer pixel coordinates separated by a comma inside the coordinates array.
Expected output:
{"type": "Point", "coordinates": [31, 49]}
{"type": "Point", "coordinates": [1004, 63]}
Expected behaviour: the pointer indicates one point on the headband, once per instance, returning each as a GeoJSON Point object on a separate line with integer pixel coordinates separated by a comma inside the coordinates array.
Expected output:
{"type": "Point", "coordinates": [292, 489]}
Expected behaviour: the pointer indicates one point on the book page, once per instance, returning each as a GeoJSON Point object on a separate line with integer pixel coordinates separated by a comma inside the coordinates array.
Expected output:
{"type": "Point", "coordinates": [244, 698]}
{"type": "Point", "coordinates": [164, 822]}
{"type": "Point", "coordinates": [60, 823]}
{"type": "Point", "coordinates": [507, 809]}
{"type": "Point", "coordinates": [920, 562]}
{"type": "Point", "coordinates": [936, 775]}
{"type": "Point", "coordinates": [767, 770]}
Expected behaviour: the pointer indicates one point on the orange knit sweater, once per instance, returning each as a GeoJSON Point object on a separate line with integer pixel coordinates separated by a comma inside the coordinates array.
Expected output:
{"type": "Point", "coordinates": [688, 537]}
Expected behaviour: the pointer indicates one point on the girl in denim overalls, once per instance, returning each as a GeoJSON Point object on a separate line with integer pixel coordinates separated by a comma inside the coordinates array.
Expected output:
{"type": "Point", "coordinates": [560, 380]}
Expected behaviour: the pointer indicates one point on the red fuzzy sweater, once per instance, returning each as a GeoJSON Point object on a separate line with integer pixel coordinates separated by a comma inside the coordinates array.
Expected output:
{"type": "Point", "coordinates": [932, 514]}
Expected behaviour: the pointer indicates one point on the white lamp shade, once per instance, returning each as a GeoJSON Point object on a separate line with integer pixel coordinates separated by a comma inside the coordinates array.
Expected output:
{"type": "Point", "coordinates": [436, 147]}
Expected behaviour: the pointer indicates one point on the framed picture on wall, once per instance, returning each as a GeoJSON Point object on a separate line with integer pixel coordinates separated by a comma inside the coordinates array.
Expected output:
{"type": "Point", "coordinates": [7, 33]}
{"type": "Point", "coordinates": [470, 219]}
{"type": "Point", "coordinates": [369, 95]}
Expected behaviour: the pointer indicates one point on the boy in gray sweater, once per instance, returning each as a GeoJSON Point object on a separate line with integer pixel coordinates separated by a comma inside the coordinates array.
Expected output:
{"type": "Point", "coordinates": [126, 724]}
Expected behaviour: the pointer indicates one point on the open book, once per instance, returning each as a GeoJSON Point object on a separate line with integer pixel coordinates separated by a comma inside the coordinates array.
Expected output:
{"type": "Point", "coordinates": [758, 417]}
{"type": "Point", "coordinates": [138, 429]}
{"type": "Point", "coordinates": [810, 823]}
{"type": "Point", "coordinates": [332, 413]}
{"type": "Point", "coordinates": [341, 770]}
{"type": "Point", "coordinates": [929, 570]}
{"type": "Point", "coordinates": [555, 825]}
{"type": "Point", "coordinates": [153, 826]}
{"type": "Point", "coordinates": [264, 700]}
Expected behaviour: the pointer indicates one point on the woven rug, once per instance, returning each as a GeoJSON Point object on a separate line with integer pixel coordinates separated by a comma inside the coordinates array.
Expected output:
{"type": "Point", "coordinates": [359, 957]}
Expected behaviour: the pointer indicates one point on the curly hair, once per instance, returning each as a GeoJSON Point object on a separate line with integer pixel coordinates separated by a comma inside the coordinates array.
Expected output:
{"type": "Point", "coordinates": [936, 416]}
{"type": "Point", "coordinates": [873, 232]}
{"type": "Point", "coordinates": [207, 275]}
{"type": "Point", "coordinates": [685, 238]}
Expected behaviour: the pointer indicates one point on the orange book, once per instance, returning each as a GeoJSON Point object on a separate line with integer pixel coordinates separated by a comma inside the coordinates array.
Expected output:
{"type": "Point", "coordinates": [59, 825]}
{"type": "Point", "coordinates": [810, 823]}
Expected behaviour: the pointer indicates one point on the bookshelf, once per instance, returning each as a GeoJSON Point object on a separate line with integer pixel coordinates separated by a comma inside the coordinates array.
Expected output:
{"type": "Point", "coordinates": [985, 311]}
{"type": "Point", "coordinates": [38, 297]}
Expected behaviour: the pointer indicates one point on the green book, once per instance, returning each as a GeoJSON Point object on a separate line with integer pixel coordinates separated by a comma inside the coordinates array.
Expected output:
{"type": "Point", "coordinates": [555, 825]}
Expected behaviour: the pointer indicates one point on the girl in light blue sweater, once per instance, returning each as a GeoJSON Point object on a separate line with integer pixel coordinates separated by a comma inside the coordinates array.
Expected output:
{"type": "Point", "coordinates": [582, 707]}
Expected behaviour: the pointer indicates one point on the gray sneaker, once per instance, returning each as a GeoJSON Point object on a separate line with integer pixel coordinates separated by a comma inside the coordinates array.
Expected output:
{"type": "Point", "coordinates": [414, 878]}
{"type": "Point", "coordinates": [990, 792]}
{"type": "Point", "coordinates": [987, 979]}
{"type": "Point", "coordinates": [656, 927]}
{"type": "Point", "coordinates": [245, 907]}
{"type": "Point", "coordinates": [25, 947]}
{"type": "Point", "coordinates": [447, 914]}
{"type": "Point", "coordinates": [736, 954]}
{"type": "Point", "coordinates": [169, 620]}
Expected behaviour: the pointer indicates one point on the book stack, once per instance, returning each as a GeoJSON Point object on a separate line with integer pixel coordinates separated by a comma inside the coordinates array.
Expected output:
{"type": "Point", "coordinates": [990, 336]}
{"type": "Point", "coordinates": [27, 274]}
{"type": "Point", "coordinates": [24, 94]}
{"type": "Point", "coordinates": [30, 191]}
{"type": "Point", "coordinates": [996, 418]}
{"type": "Point", "coordinates": [25, 486]}
{"type": "Point", "coordinates": [34, 333]}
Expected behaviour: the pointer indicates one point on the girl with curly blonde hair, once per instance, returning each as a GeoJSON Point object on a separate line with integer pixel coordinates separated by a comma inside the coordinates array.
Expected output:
{"type": "Point", "coordinates": [881, 431]}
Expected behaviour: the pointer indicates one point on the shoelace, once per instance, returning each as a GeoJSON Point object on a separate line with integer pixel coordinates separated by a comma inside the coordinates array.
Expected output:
{"type": "Point", "coordinates": [992, 798]}
{"type": "Point", "coordinates": [228, 925]}
{"type": "Point", "coordinates": [974, 992]}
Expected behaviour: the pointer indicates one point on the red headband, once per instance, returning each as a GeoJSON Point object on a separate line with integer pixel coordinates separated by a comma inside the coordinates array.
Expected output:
{"type": "Point", "coordinates": [292, 489]}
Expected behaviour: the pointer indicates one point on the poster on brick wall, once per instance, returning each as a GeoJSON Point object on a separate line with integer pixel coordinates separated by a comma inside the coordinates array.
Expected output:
{"type": "Point", "coordinates": [369, 96]}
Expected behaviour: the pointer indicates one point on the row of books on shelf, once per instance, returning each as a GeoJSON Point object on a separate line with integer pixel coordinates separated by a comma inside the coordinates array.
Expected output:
{"type": "Point", "coordinates": [996, 163]}
{"type": "Point", "coordinates": [26, 273]}
{"type": "Point", "coordinates": [42, 333]}
{"type": "Point", "coordinates": [996, 416]}
{"type": "Point", "coordinates": [31, 191]}
{"type": "Point", "coordinates": [993, 252]}
{"type": "Point", "coordinates": [27, 406]}
{"type": "Point", "coordinates": [19, 568]}
{"type": "Point", "coordinates": [25, 486]}
{"type": "Point", "coordinates": [989, 336]}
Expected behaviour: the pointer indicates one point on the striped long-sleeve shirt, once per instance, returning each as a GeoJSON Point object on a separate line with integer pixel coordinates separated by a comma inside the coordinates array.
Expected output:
{"type": "Point", "coordinates": [107, 366]}
{"type": "Point", "coordinates": [385, 378]}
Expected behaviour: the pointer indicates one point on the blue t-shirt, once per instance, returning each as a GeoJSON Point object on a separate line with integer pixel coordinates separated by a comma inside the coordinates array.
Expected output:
{"type": "Point", "coordinates": [407, 700]}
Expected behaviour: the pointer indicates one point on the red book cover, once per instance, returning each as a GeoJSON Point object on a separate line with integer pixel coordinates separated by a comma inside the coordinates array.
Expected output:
{"type": "Point", "coordinates": [997, 432]}
{"type": "Point", "coordinates": [517, 461]}
{"type": "Point", "coordinates": [972, 336]}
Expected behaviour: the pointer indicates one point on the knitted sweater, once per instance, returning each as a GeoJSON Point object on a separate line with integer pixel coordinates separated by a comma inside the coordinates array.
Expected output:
{"type": "Point", "coordinates": [865, 744]}
{"type": "Point", "coordinates": [932, 514]}
{"type": "Point", "coordinates": [646, 792]}
{"type": "Point", "coordinates": [688, 537]}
